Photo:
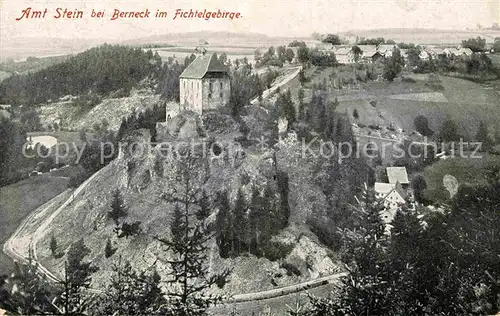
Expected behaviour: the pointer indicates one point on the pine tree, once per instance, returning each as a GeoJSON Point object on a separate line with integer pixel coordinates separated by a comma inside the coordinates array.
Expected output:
{"type": "Point", "coordinates": [53, 245]}
{"type": "Point", "coordinates": [132, 293]}
{"type": "Point", "coordinates": [240, 221]}
{"type": "Point", "coordinates": [204, 207]}
{"type": "Point", "coordinates": [364, 287]}
{"type": "Point", "coordinates": [108, 249]}
{"type": "Point", "coordinates": [118, 208]}
{"type": "Point", "coordinates": [188, 243]}
{"type": "Point", "coordinates": [73, 298]}
{"type": "Point", "coordinates": [224, 230]}
{"type": "Point", "coordinates": [355, 114]}
{"type": "Point", "coordinates": [301, 114]}
{"type": "Point", "coordinates": [28, 294]}
{"type": "Point", "coordinates": [407, 262]}
{"type": "Point", "coordinates": [284, 208]}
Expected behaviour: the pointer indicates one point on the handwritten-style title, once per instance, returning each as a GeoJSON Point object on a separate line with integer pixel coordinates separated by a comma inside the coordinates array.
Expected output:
{"type": "Point", "coordinates": [116, 14]}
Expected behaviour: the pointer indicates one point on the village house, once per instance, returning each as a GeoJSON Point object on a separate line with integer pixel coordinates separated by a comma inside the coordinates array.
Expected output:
{"type": "Point", "coordinates": [435, 52]}
{"type": "Point", "coordinates": [394, 193]}
{"type": "Point", "coordinates": [466, 52]}
{"type": "Point", "coordinates": [423, 55]}
{"type": "Point", "coordinates": [345, 55]}
{"type": "Point", "coordinates": [204, 85]}
{"type": "Point", "coordinates": [369, 53]}
{"type": "Point", "coordinates": [457, 52]}
{"type": "Point", "coordinates": [393, 196]}
{"type": "Point", "coordinates": [450, 51]}
{"type": "Point", "coordinates": [386, 49]}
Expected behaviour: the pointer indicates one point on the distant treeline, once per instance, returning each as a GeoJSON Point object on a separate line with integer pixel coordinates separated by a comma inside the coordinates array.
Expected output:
{"type": "Point", "coordinates": [99, 70]}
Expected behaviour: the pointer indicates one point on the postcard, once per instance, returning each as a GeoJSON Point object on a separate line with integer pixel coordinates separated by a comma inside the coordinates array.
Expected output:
{"type": "Point", "coordinates": [278, 157]}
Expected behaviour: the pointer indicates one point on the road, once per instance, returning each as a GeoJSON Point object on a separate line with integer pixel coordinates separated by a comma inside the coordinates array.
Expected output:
{"type": "Point", "coordinates": [25, 240]}
{"type": "Point", "coordinates": [274, 88]}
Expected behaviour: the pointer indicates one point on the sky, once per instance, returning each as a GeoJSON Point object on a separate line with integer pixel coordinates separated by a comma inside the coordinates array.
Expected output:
{"type": "Point", "coordinates": [270, 17]}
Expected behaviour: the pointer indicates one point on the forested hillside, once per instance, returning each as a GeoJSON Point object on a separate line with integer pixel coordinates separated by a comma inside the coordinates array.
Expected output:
{"type": "Point", "coordinates": [100, 70]}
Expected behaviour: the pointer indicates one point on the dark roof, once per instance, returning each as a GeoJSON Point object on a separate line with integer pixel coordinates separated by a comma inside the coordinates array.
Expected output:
{"type": "Point", "coordinates": [202, 65]}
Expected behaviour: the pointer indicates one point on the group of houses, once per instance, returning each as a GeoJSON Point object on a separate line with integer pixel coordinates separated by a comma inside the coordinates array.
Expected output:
{"type": "Point", "coordinates": [348, 54]}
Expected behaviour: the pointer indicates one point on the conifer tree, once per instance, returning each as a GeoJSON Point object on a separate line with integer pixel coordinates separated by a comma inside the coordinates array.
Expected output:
{"type": "Point", "coordinates": [132, 293]}
{"type": "Point", "coordinates": [53, 245]}
{"type": "Point", "coordinates": [364, 291]}
{"type": "Point", "coordinates": [118, 208]}
{"type": "Point", "coordinates": [240, 221]}
{"type": "Point", "coordinates": [25, 292]}
{"type": "Point", "coordinates": [188, 242]}
{"type": "Point", "coordinates": [224, 230]}
{"type": "Point", "coordinates": [108, 249]}
{"type": "Point", "coordinates": [73, 298]}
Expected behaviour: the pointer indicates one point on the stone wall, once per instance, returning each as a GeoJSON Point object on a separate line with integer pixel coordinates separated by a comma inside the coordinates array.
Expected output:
{"type": "Point", "coordinates": [219, 94]}
{"type": "Point", "coordinates": [191, 94]}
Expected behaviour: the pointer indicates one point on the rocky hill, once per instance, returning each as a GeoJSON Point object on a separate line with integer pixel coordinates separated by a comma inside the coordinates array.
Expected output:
{"type": "Point", "coordinates": [144, 181]}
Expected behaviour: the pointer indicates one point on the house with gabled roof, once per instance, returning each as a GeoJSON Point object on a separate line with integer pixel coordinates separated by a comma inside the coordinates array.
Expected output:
{"type": "Point", "coordinates": [204, 84]}
{"type": "Point", "coordinates": [465, 51]}
{"type": "Point", "coordinates": [386, 49]}
{"type": "Point", "coordinates": [424, 55]}
{"type": "Point", "coordinates": [345, 55]}
{"type": "Point", "coordinates": [435, 51]}
{"type": "Point", "coordinates": [393, 196]}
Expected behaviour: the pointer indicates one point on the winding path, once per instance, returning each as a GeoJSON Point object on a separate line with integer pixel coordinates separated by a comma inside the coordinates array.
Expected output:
{"type": "Point", "coordinates": [24, 240]}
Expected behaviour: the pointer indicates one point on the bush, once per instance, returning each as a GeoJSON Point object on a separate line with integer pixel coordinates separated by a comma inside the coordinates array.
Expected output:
{"type": "Point", "coordinates": [275, 250]}
{"type": "Point", "coordinates": [290, 269]}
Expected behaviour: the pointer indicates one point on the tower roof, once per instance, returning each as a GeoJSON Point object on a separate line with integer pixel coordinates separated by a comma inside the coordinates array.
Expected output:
{"type": "Point", "coordinates": [202, 65]}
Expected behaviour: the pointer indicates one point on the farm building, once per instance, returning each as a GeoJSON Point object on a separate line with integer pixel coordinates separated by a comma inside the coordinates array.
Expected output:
{"type": "Point", "coordinates": [204, 84]}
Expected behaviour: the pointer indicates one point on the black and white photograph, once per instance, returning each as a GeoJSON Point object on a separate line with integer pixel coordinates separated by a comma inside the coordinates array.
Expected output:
{"type": "Point", "coordinates": [250, 158]}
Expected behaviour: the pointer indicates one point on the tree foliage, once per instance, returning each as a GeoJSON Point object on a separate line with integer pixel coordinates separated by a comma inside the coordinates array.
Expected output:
{"type": "Point", "coordinates": [332, 39]}
{"type": "Point", "coordinates": [188, 242]}
{"type": "Point", "coordinates": [475, 44]}
{"type": "Point", "coordinates": [101, 69]}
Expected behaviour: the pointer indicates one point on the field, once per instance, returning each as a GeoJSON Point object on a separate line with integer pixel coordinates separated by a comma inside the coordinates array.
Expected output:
{"type": "Point", "coordinates": [466, 170]}
{"type": "Point", "coordinates": [495, 59]}
{"type": "Point", "coordinates": [467, 103]}
{"type": "Point", "coordinates": [179, 53]}
{"type": "Point", "coordinates": [20, 199]}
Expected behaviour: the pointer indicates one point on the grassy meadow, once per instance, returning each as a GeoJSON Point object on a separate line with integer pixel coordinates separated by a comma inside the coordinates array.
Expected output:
{"type": "Point", "coordinates": [18, 200]}
{"type": "Point", "coordinates": [465, 170]}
